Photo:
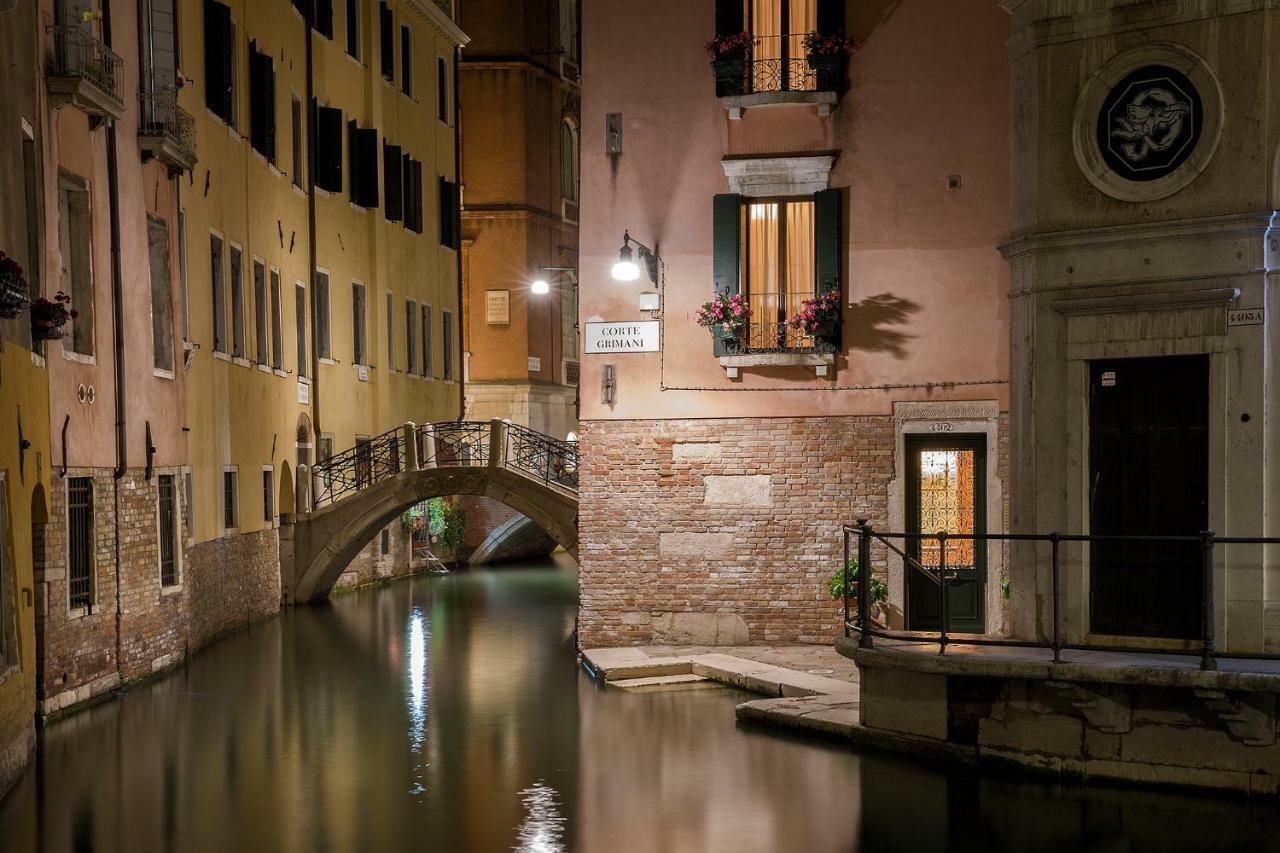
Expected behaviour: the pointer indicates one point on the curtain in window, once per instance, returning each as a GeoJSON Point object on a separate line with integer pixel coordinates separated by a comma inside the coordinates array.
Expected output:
{"type": "Point", "coordinates": [770, 27]}
{"type": "Point", "coordinates": [804, 17]}
{"type": "Point", "coordinates": [800, 275]}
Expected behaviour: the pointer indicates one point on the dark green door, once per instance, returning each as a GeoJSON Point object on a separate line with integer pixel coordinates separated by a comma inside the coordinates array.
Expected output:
{"type": "Point", "coordinates": [946, 490]}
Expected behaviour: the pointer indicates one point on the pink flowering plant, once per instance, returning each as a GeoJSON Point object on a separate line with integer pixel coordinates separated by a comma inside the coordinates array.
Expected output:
{"type": "Point", "coordinates": [726, 316]}
{"type": "Point", "coordinates": [730, 46]}
{"type": "Point", "coordinates": [817, 314]}
{"type": "Point", "coordinates": [817, 44]}
{"type": "Point", "coordinates": [48, 316]}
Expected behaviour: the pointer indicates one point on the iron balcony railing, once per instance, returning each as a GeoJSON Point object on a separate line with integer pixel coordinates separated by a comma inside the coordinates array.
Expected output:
{"type": "Point", "coordinates": [942, 575]}
{"type": "Point", "coordinates": [769, 329]}
{"type": "Point", "coordinates": [163, 117]}
{"type": "Point", "coordinates": [78, 54]}
{"type": "Point", "coordinates": [779, 64]}
{"type": "Point", "coordinates": [548, 459]}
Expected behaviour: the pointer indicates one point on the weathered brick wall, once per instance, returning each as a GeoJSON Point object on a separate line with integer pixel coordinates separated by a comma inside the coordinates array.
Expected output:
{"type": "Point", "coordinates": [722, 531]}
{"type": "Point", "coordinates": [372, 565]}
{"type": "Point", "coordinates": [483, 516]}
{"type": "Point", "coordinates": [233, 581]}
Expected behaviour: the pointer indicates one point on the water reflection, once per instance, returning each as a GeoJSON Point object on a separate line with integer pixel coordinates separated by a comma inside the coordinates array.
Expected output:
{"type": "Point", "coordinates": [449, 714]}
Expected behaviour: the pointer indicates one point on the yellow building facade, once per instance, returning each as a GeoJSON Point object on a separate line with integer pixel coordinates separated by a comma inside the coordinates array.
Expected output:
{"type": "Point", "coordinates": [321, 253]}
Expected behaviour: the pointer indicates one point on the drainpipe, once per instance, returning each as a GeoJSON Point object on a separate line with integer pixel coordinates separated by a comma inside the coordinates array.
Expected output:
{"type": "Point", "coordinates": [457, 176]}
{"type": "Point", "coordinates": [311, 232]}
{"type": "Point", "coordinates": [117, 328]}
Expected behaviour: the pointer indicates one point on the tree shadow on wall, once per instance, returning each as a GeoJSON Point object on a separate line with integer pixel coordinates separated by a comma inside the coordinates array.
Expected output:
{"type": "Point", "coordinates": [868, 324]}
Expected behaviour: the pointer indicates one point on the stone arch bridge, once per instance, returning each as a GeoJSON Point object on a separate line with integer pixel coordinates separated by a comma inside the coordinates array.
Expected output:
{"type": "Point", "coordinates": [356, 493]}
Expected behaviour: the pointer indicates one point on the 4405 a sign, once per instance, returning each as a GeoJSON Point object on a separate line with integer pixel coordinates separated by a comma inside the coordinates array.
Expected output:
{"type": "Point", "coordinates": [629, 336]}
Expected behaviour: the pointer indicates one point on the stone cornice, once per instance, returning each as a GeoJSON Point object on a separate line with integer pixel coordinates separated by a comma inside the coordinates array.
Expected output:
{"type": "Point", "coordinates": [433, 16]}
{"type": "Point", "coordinates": [778, 176]}
{"type": "Point", "coordinates": [1234, 225]}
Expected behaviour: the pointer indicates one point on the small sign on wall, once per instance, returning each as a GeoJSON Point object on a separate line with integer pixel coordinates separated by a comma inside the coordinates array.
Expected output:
{"type": "Point", "coordinates": [362, 373]}
{"type": "Point", "coordinates": [304, 393]}
{"type": "Point", "coordinates": [1246, 316]}
{"type": "Point", "coordinates": [535, 364]}
{"type": "Point", "coordinates": [497, 307]}
{"type": "Point", "coordinates": [633, 336]}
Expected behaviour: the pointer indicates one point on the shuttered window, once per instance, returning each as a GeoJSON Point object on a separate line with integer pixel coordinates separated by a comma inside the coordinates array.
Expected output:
{"type": "Point", "coordinates": [322, 315]}
{"type": "Point", "coordinates": [426, 340]}
{"type": "Point", "coordinates": [328, 147]}
{"type": "Point", "coordinates": [390, 331]}
{"type": "Point", "coordinates": [277, 323]}
{"type": "Point", "coordinates": [446, 341]}
{"type": "Point", "coordinates": [359, 325]}
{"type": "Point", "coordinates": [219, 61]}
{"type": "Point", "coordinates": [237, 301]}
{"type": "Point", "coordinates": [410, 336]}
{"type": "Point", "coordinates": [362, 147]}
{"type": "Point", "coordinates": [268, 496]}
{"type": "Point", "coordinates": [387, 40]}
{"type": "Point", "coordinates": [412, 170]}
{"type": "Point", "coordinates": [406, 60]}
{"type": "Point", "coordinates": [442, 90]}
{"type": "Point", "coordinates": [230, 502]}
{"type": "Point", "coordinates": [450, 214]}
{"type": "Point", "coordinates": [393, 182]}
{"type": "Point", "coordinates": [218, 285]}
{"type": "Point", "coordinates": [324, 17]}
{"type": "Point", "coordinates": [262, 103]}
{"type": "Point", "coordinates": [300, 327]}
{"type": "Point", "coordinates": [295, 116]}
{"type": "Point", "coordinates": [353, 28]}
{"type": "Point", "coordinates": [260, 311]}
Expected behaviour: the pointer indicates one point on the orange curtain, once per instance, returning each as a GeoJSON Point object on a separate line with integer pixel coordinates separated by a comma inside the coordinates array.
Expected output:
{"type": "Point", "coordinates": [800, 273]}
{"type": "Point", "coordinates": [804, 17]}
{"type": "Point", "coordinates": [762, 284]}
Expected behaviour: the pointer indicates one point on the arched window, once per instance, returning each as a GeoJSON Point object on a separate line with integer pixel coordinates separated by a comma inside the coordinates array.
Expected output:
{"type": "Point", "coordinates": [568, 160]}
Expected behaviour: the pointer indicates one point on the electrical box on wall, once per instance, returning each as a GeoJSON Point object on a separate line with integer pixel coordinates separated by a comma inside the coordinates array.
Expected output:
{"type": "Point", "coordinates": [613, 133]}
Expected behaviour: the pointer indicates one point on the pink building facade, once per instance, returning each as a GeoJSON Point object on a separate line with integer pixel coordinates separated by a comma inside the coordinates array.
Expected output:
{"type": "Point", "coordinates": [717, 473]}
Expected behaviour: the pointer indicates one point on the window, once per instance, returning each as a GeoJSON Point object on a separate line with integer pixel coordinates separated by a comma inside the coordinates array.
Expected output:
{"type": "Point", "coordinates": [384, 545]}
{"type": "Point", "coordinates": [230, 506]}
{"type": "Point", "coordinates": [779, 55]}
{"type": "Point", "coordinates": [387, 40]}
{"type": "Point", "coordinates": [450, 214]}
{"type": "Point", "coordinates": [410, 336]}
{"type": "Point", "coordinates": [324, 17]}
{"type": "Point", "coordinates": [328, 163]}
{"type": "Point", "coordinates": [295, 118]}
{"type": "Point", "coordinates": [353, 28]}
{"type": "Point", "coordinates": [167, 528]}
{"type": "Point", "coordinates": [325, 447]}
{"type": "Point", "coordinates": [182, 274]}
{"type": "Point", "coordinates": [277, 326]}
{"type": "Point", "coordinates": [262, 103]}
{"type": "Point", "coordinates": [406, 60]}
{"type": "Point", "coordinates": [76, 244]}
{"type": "Point", "coordinates": [237, 301]}
{"type": "Point", "coordinates": [359, 325]}
{"type": "Point", "coordinates": [260, 311]}
{"type": "Point", "coordinates": [300, 324]}
{"type": "Point", "coordinates": [362, 149]}
{"type": "Point", "coordinates": [33, 193]}
{"type": "Point", "coordinates": [217, 273]}
{"type": "Point", "coordinates": [189, 515]}
{"type": "Point", "coordinates": [442, 90]}
{"type": "Point", "coordinates": [79, 542]}
{"type": "Point", "coordinates": [569, 30]}
{"type": "Point", "coordinates": [364, 461]}
{"type": "Point", "coordinates": [161, 293]}
{"type": "Point", "coordinates": [8, 623]}
{"type": "Point", "coordinates": [568, 161]}
{"type": "Point", "coordinates": [777, 269]}
{"type": "Point", "coordinates": [268, 495]}
{"type": "Point", "coordinates": [159, 23]}
{"type": "Point", "coordinates": [412, 173]}
{"type": "Point", "coordinates": [322, 315]}
{"type": "Point", "coordinates": [220, 61]}
{"type": "Point", "coordinates": [446, 340]}
{"type": "Point", "coordinates": [426, 340]}
{"type": "Point", "coordinates": [393, 182]}
{"type": "Point", "coordinates": [390, 331]}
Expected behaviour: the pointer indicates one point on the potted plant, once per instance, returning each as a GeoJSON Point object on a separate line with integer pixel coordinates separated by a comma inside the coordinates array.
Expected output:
{"type": "Point", "coordinates": [729, 55]}
{"type": "Point", "coordinates": [878, 592]}
{"type": "Point", "coordinates": [819, 317]}
{"type": "Point", "coordinates": [13, 288]}
{"type": "Point", "coordinates": [725, 316]}
{"type": "Point", "coordinates": [827, 56]}
{"type": "Point", "coordinates": [48, 316]}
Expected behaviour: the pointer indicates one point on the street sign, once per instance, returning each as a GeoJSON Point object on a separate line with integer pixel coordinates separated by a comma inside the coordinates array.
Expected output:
{"type": "Point", "coordinates": [1246, 317]}
{"type": "Point", "coordinates": [630, 336]}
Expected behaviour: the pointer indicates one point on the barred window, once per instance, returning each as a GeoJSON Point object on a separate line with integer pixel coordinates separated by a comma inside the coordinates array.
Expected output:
{"type": "Point", "coordinates": [229, 503]}
{"type": "Point", "coordinates": [80, 541]}
{"type": "Point", "coordinates": [167, 500]}
{"type": "Point", "coordinates": [268, 495]}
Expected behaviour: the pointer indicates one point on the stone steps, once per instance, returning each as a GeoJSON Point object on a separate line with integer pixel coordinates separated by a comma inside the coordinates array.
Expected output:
{"type": "Point", "coordinates": [663, 682]}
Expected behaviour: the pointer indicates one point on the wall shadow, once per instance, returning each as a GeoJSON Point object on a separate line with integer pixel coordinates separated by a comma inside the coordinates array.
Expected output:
{"type": "Point", "coordinates": [868, 324]}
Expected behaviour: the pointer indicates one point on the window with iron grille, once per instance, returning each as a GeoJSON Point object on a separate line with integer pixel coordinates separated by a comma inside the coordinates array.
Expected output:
{"type": "Point", "coordinates": [229, 507]}
{"type": "Point", "coordinates": [446, 326]}
{"type": "Point", "coordinates": [189, 506]}
{"type": "Point", "coordinates": [80, 541]}
{"type": "Point", "coordinates": [167, 499]}
{"type": "Point", "coordinates": [268, 495]}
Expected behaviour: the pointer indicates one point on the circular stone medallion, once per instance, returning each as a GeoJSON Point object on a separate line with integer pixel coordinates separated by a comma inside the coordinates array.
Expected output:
{"type": "Point", "coordinates": [1150, 123]}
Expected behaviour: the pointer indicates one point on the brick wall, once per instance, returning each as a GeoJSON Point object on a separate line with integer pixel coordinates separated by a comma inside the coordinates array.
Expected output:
{"type": "Point", "coordinates": [371, 565]}
{"type": "Point", "coordinates": [233, 581]}
{"type": "Point", "coordinates": [722, 531]}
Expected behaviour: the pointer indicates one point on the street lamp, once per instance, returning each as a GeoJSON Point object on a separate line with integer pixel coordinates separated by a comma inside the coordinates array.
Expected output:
{"type": "Point", "coordinates": [539, 287]}
{"type": "Point", "coordinates": [626, 269]}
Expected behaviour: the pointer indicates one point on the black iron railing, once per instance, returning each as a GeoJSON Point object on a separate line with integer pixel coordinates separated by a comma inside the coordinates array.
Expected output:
{"type": "Point", "coordinates": [77, 53]}
{"type": "Point", "coordinates": [860, 538]}
{"type": "Point", "coordinates": [779, 63]}
{"type": "Point", "coordinates": [370, 461]}
{"type": "Point", "coordinates": [454, 444]}
{"type": "Point", "coordinates": [163, 117]}
{"type": "Point", "coordinates": [769, 329]}
{"type": "Point", "coordinates": [548, 459]}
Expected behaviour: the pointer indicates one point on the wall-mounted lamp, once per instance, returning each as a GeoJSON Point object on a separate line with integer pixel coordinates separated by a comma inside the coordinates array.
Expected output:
{"type": "Point", "coordinates": [608, 385]}
{"type": "Point", "coordinates": [539, 287]}
{"type": "Point", "coordinates": [626, 269]}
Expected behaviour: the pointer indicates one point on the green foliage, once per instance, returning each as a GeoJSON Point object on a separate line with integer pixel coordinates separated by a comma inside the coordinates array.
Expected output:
{"type": "Point", "coordinates": [406, 522]}
{"type": "Point", "coordinates": [435, 517]}
{"type": "Point", "coordinates": [453, 526]}
{"type": "Point", "coordinates": [835, 586]}
{"type": "Point", "coordinates": [1004, 586]}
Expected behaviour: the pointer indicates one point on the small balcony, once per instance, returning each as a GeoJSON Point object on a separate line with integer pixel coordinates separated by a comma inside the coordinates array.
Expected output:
{"type": "Point", "coordinates": [85, 73]}
{"type": "Point", "coordinates": [769, 340]}
{"type": "Point", "coordinates": [778, 70]}
{"type": "Point", "coordinates": [167, 132]}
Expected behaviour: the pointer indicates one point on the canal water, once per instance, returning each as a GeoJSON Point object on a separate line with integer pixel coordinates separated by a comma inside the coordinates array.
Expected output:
{"type": "Point", "coordinates": [449, 714]}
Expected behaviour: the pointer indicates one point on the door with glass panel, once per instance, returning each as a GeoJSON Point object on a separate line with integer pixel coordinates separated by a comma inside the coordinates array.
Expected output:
{"type": "Point", "coordinates": [945, 492]}
{"type": "Point", "coordinates": [778, 27]}
{"type": "Point", "coordinates": [778, 271]}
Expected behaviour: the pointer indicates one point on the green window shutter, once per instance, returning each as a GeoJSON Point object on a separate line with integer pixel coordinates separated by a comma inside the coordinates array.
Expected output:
{"type": "Point", "coordinates": [827, 247]}
{"type": "Point", "coordinates": [831, 17]}
{"type": "Point", "coordinates": [726, 249]}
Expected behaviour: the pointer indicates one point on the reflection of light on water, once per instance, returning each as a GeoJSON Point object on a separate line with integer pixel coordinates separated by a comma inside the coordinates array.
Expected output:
{"type": "Point", "coordinates": [417, 692]}
{"type": "Point", "coordinates": [543, 826]}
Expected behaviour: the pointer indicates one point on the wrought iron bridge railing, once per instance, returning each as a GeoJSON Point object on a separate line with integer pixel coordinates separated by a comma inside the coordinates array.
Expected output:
{"type": "Point", "coordinates": [452, 444]}
{"type": "Point", "coordinates": [77, 53]}
{"type": "Point", "coordinates": [163, 117]}
{"type": "Point", "coordinates": [1058, 548]}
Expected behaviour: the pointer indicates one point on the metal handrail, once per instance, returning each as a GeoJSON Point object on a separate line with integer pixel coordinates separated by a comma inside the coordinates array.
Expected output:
{"type": "Point", "coordinates": [866, 534]}
{"type": "Point", "coordinates": [77, 53]}
{"type": "Point", "coordinates": [549, 459]}
{"type": "Point", "coordinates": [163, 116]}
{"type": "Point", "coordinates": [357, 468]}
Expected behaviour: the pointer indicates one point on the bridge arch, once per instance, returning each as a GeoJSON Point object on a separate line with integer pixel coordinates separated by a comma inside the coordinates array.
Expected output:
{"type": "Point", "coordinates": [316, 549]}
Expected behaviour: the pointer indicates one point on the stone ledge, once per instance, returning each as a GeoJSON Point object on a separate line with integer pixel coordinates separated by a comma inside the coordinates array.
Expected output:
{"type": "Point", "coordinates": [821, 362]}
{"type": "Point", "coordinates": [736, 105]}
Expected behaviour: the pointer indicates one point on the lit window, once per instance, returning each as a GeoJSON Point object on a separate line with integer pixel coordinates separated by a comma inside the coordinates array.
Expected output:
{"type": "Point", "coordinates": [778, 270]}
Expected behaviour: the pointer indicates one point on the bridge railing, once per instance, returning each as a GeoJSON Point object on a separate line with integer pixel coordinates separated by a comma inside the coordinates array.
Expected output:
{"type": "Point", "coordinates": [453, 444]}
{"type": "Point", "coordinates": [370, 461]}
{"type": "Point", "coordinates": [548, 459]}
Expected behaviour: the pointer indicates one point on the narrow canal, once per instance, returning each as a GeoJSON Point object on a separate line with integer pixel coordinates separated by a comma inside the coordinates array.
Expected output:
{"type": "Point", "coordinates": [449, 714]}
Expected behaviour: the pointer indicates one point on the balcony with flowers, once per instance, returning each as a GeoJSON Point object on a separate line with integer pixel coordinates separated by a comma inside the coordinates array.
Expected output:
{"type": "Point", "coordinates": [787, 68]}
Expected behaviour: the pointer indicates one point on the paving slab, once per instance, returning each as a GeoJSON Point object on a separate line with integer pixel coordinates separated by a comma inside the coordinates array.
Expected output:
{"type": "Point", "coordinates": [663, 682]}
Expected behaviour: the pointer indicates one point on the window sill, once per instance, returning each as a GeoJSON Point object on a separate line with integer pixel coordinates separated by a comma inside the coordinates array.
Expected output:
{"type": "Point", "coordinates": [823, 363]}
{"type": "Point", "coordinates": [37, 360]}
{"type": "Point", "coordinates": [162, 373]}
{"type": "Point", "coordinates": [264, 368]}
{"type": "Point", "coordinates": [240, 360]}
{"type": "Point", "coordinates": [221, 356]}
{"type": "Point", "coordinates": [299, 191]}
{"type": "Point", "coordinates": [284, 373]}
{"type": "Point", "coordinates": [171, 589]}
{"type": "Point", "coordinates": [79, 358]}
{"type": "Point", "coordinates": [737, 104]}
{"type": "Point", "coordinates": [326, 360]}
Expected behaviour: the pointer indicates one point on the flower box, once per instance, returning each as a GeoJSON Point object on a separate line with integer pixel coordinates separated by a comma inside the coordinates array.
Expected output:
{"type": "Point", "coordinates": [14, 297]}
